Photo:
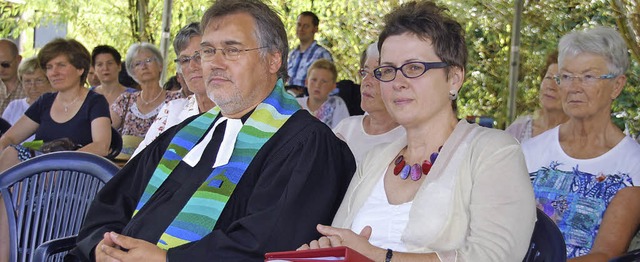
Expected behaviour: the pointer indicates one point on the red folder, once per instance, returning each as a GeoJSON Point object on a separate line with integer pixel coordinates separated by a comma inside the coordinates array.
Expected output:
{"type": "Point", "coordinates": [322, 254]}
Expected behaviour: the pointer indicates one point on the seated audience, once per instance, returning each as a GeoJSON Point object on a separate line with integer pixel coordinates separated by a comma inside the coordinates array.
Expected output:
{"type": "Point", "coordinates": [550, 114]}
{"type": "Point", "coordinates": [579, 166]}
{"type": "Point", "coordinates": [321, 80]}
{"type": "Point", "coordinates": [35, 83]}
{"type": "Point", "coordinates": [252, 175]}
{"type": "Point", "coordinates": [376, 127]}
{"type": "Point", "coordinates": [72, 112]}
{"type": "Point", "coordinates": [449, 190]}
{"type": "Point", "coordinates": [133, 113]}
{"type": "Point", "coordinates": [107, 63]}
{"type": "Point", "coordinates": [187, 46]}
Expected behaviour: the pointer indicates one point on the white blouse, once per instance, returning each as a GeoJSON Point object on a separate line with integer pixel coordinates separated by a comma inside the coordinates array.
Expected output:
{"type": "Point", "coordinates": [387, 221]}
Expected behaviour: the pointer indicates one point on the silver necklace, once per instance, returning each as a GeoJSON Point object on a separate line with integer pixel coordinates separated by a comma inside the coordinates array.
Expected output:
{"type": "Point", "coordinates": [66, 105]}
{"type": "Point", "coordinates": [154, 99]}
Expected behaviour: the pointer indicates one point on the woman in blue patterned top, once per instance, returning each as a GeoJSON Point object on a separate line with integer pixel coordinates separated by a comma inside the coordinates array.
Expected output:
{"type": "Point", "coordinates": [578, 167]}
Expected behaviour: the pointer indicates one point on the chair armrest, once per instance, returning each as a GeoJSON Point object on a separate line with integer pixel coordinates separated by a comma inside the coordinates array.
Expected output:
{"type": "Point", "coordinates": [52, 247]}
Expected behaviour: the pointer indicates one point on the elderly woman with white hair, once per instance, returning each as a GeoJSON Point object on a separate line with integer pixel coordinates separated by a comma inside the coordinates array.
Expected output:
{"type": "Point", "coordinates": [584, 171]}
{"type": "Point", "coordinates": [133, 113]}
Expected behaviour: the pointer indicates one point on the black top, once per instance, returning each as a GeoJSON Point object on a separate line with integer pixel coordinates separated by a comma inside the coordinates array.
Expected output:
{"type": "Point", "coordinates": [296, 180]}
{"type": "Point", "coordinates": [78, 128]}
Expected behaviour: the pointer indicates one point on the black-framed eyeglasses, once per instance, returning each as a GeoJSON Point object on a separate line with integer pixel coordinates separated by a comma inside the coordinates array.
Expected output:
{"type": "Point", "coordinates": [5, 64]}
{"type": "Point", "coordinates": [229, 53]}
{"type": "Point", "coordinates": [185, 60]}
{"type": "Point", "coordinates": [409, 70]}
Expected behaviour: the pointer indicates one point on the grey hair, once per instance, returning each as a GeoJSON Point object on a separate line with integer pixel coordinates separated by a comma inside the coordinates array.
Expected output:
{"type": "Point", "coordinates": [29, 66]}
{"type": "Point", "coordinates": [269, 30]}
{"type": "Point", "coordinates": [372, 49]}
{"type": "Point", "coordinates": [135, 49]}
{"type": "Point", "coordinates": [184, 36]}
{"type": "Point", "coordinates": [602, 41]}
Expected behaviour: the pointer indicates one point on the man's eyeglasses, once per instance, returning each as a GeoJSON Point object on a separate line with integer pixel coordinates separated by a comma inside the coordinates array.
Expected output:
{"type": "Point", "coordinates": [185, 60]}
{"type": "Point", "coordinates": [588, 80]}
{"type": "Point", "coordinates": [229, 53]}
{"type": "Point", "coordinates": [37, 81]}
{"type": "Point", "coordinates": [144, 62]}
{"type": "Point", "coordinates": [409, 70]}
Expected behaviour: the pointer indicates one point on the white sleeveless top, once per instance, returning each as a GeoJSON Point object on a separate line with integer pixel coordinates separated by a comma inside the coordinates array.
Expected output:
{"type": "Point", "coordinates": [387, 221]}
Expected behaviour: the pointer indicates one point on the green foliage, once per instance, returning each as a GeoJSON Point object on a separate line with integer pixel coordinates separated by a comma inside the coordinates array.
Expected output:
{"type": "Point", "coordinates": [348, 26]}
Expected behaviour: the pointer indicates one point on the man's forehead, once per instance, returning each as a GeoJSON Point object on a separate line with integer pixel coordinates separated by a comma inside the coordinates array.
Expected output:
{"type": "Point", "coordinates": [303, 19]}
{"type": "Point", "coordinates": [236, 28]}
{"type": "Point", "coordinates": [5, 50]}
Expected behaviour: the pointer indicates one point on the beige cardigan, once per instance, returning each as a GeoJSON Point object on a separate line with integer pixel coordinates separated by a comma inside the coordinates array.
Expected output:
{"type": "Point", "coordinates": [476, 204]}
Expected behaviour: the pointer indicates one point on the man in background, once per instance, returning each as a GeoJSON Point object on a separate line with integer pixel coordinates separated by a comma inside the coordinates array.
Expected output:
{"type": "Point", "coordinates": [305, 54]}
{"type": "Point", "coordinates": [10, 87]}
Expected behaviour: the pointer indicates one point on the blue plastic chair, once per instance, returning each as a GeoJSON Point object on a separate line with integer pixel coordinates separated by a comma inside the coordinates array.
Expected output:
{"type": "Point", "coordinates": [46, 197]}
{"type": "Point", "coordinates": [547, 243]}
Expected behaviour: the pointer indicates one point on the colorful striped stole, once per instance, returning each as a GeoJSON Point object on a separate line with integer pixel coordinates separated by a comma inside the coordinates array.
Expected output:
{"type": "Point", "coordinates": [200, 214]}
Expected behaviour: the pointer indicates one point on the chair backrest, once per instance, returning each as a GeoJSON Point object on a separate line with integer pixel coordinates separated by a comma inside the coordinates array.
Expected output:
{"type": "Point", "coordinates": [46, 197]}
{"type": "Point", "coordinates": [547, 243]}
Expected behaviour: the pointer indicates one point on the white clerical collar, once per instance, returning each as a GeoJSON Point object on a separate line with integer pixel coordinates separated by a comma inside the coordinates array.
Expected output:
{"type": "Point", "coordinates": [226, 147]}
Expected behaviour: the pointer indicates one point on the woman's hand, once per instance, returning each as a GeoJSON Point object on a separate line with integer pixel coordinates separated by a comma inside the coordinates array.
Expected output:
{"type": "Point", "coordinates": [336, 237]}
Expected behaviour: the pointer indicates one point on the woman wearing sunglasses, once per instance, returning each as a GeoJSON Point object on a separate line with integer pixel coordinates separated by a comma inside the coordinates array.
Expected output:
{"type": "Point", "coordinates": [448, 190]}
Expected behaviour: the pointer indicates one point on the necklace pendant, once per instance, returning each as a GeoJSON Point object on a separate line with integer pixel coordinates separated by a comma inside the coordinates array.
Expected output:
{"type": "Point", "coordinates": [416, 172]}
{"type": "Point", "coordinates": [398, 168]}
{"type": "Point", "coordinates": [405, 172]}
{"type": "Point", "coordinates": [426, 167]}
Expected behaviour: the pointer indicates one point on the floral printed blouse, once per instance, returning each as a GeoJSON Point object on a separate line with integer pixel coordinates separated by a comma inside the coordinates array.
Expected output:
{"type": "Point", "coordinates": [134, 122]}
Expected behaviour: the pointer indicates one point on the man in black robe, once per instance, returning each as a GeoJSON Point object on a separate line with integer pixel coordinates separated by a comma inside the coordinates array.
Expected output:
{"type": "Point", "coordinates": [295, 181]}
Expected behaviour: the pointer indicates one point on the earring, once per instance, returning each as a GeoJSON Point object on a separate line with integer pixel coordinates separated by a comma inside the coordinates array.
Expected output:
{"type": "Point", "coordinates": [453, 94]}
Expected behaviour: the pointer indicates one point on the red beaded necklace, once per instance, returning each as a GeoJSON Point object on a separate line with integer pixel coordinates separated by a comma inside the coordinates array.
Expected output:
{"type": "Point", "coordinates": [415, 171]}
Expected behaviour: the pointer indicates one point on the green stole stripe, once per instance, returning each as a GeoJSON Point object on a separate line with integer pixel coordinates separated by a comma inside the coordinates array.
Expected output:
{"type": "Point", "coordinates": [200, 214]}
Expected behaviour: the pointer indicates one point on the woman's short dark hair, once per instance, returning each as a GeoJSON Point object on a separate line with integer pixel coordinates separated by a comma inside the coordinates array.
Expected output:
{"type": "Point", "coordinates": [105, 49]}
{"type": "Point", "coordinates": [428, 21]}
{"type": "Point", "coordinates": [73, 50]}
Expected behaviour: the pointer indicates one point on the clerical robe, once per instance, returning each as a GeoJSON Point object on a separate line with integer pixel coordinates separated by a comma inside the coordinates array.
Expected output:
{"type": "Point", "coordinates": [295, 181]}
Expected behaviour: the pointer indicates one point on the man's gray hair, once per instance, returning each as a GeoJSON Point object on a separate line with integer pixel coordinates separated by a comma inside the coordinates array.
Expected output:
{"type": "Point", "coordinates": [269, 29]}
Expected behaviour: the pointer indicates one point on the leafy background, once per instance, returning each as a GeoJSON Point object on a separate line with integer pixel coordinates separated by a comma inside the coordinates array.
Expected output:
{"type": "Point", "coordinates": [348, 26]}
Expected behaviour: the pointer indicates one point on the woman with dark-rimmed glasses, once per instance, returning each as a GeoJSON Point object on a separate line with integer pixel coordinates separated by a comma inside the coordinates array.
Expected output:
{"type": "Point", "coordinates": [448, 190]}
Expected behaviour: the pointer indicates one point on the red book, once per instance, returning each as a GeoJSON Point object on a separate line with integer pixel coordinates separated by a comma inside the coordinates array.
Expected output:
{"type": "Point", "coordinates": [322, 254]}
